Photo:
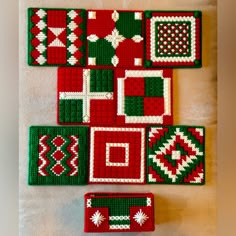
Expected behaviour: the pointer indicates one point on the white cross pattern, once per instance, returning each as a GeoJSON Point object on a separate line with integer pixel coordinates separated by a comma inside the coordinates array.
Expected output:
{"type": "Point", "coordinates": [86, 95]}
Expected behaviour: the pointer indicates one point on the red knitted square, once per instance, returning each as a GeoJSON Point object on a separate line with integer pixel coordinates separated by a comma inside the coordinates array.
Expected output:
{"type": "Point", "coordinates": [56, 18]}
{"type": "Point", "coordinates": [134, 87]}
{"type": "Point", "coordinates": [117, 155]}
{"type": "Point", "coordinates": [154, 106]}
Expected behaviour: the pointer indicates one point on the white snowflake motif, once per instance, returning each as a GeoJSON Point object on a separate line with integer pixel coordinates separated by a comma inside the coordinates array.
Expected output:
{"type": "Point", "coordinates": [115, 38]}
{"type": "Point", "coordinates": [140, 217]}
{"type": "Point", "coordinates": [97, 218]}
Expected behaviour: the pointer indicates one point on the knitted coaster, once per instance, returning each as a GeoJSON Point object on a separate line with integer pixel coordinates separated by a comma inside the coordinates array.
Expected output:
{"type": "Point", "coordinates": [176, 155]}
{"type": "Point", "coordinates": [173, 38]}
{"type": "Point", "coordinates": [56, 37]}
{"type": "Point", "coordinates": [58, 155]}
{"type": "Point", "coordinates": [85, 96]}
{"type": "Point", "coordinates": [144, 96]}
{"type": "Point", "coordinates": [119, 212]}
{"type": "Point", "coordinates": [117, 155]}
{"type": "Point", "coordinates": [115, 38]}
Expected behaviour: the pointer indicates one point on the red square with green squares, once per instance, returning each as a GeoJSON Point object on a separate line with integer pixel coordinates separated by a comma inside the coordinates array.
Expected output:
{"type": "Point", "coordinates": [173, 38]}
{"type": "Point", "coordinates": [85, 96]}
{"type": "Point", "coordinates": [144, 96]}
{"type": "Point", "coordinates": [115, 38]}
{"type": "Point", "coordinates": [56, 37]}
{"type": "Point", "coordinates": [176, 155]}
{"type": "Point", "coordinates": [58, 155]}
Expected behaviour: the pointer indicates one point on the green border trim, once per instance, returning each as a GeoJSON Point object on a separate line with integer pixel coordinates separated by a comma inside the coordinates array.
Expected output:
{"type": "Point", "coordinates": [34, 132]}
{"type": "Point", "coordinates": [203, 158]}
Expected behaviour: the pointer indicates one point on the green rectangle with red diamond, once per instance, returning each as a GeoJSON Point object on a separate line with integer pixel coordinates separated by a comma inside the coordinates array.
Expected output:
{"type": "Point", "coordinates": [176, 155]}
{"type": "Point", "coordinates": [58, 155]}
{"type": "Point", "coordinates": [119, 212]}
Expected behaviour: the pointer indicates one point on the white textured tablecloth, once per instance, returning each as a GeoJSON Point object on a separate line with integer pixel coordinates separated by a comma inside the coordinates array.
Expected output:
{"type": "Point", "coordinates": [179, 210]}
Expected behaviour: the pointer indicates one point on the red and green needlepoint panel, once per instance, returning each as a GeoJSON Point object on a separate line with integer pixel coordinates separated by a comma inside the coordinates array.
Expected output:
{"type": "Point", "coordinates": [176, 155]}
{"type": "Point", "coordinates": [58, 155]}
{"type": "Point", "coordinates": [117, 155]}
{"type": "Point", "coordinates": [115, 38]}
{"type": "Point", "coordinates": [173, 38]}
{"type": "Point", "coordinates": [144, 96]}
{"type": "Point", "coordinates": [85, 96]}
{"type": "Point", "coordinates": [56, 37]}
{"type": "Point", "coordinates": [107, 97]}
{"type": "Point", "coordinates": [119, 212]}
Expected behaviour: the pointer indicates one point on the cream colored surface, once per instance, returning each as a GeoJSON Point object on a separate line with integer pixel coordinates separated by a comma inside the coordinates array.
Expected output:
{"type": "Point", "coordinates": [179, 210]}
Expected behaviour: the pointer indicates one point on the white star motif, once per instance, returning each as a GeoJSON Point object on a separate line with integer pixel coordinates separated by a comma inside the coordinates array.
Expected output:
{"type": "Point", "coordinates": [115, 38]}
{"type": "Point", "coordinates": [97, 218]}
{"type": "Point", "coordinates": [140, 217]}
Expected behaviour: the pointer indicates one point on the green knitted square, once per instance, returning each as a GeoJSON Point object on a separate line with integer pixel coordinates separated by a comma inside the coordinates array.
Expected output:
{"type": "Point", "coordinates": [129, 18]}
{"type": "Point", "coordinates": [134, 106]}
{"type": "Point", "coordinates": [71, 111]}
{"type": "Point", "coordinates": [101, 81]}
{"type": "Point", "coordinates": [154, 87]}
